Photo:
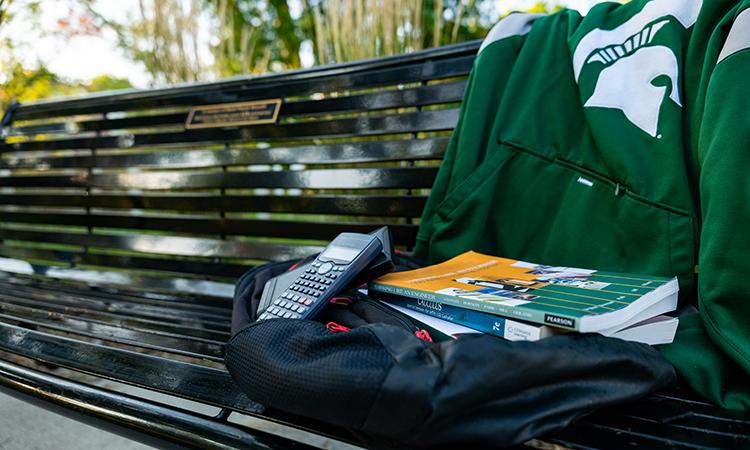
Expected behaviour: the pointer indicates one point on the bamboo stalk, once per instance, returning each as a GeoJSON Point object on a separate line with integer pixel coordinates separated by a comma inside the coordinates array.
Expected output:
{"type": "Point", "coordinates": [437, 31]}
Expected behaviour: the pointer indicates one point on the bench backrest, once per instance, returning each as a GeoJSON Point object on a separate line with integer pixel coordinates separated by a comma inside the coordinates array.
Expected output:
{"type": "Point", "coordinates": [115, 188]}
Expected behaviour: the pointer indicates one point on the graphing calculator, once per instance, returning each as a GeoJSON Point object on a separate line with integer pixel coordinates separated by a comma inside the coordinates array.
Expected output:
{"type": "Point", "coordinates": [345, 258]}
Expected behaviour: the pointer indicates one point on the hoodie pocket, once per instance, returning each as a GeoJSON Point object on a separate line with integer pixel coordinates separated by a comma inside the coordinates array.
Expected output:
{"type": "Point", "coordinates": [474, 181]}
{"type": "Point", "coordinates": [549, 210]}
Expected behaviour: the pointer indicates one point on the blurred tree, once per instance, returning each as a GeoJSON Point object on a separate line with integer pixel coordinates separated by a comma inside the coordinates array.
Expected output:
{"type": "Point", "coordinates": [252, 35]}
{"type": "Point", "coordinates": [257, 36]}
{"type": "Point", "coordinates": [107, 83]}
{"type": "Point", "coordinates": [164, 36]}
{"type": "Point", "coordinates": [262, 35]}
{"type": "Point", "coordinates": [25, 81]}
{"type": "Point", "coordinates": [26, 84]}
{"type": "Point", "coordinates": [189, 40]}
{"type": "Point", "coordinates": [4, 4]}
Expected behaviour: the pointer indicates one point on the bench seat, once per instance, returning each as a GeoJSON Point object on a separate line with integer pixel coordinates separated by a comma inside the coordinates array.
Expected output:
{"type": "Point", "coordinates": [122, 233]}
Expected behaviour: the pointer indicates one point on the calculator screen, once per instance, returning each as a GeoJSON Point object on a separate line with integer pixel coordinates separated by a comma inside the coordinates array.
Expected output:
{"type": "Point", "coordinates": [340, 253]}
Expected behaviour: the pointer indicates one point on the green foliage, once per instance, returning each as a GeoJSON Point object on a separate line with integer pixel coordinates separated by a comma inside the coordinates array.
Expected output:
{"type": "Point", "coordinates": [108, 83]}
{"type": "Point", "coordinates": [254, 34]}
{"type": "Point", "coordinates": [23, 84]}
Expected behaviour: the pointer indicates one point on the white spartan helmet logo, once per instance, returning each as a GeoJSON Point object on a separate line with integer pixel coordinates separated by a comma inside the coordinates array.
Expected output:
{"type": "Point", "coordinates": [631, 64]}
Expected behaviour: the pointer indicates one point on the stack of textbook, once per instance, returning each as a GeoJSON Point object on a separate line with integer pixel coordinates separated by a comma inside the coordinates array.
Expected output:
{"type": "Point", "coordinates": [518, 300]}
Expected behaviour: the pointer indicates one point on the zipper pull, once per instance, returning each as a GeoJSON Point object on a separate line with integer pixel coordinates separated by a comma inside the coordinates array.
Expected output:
{"type": "Point", "coordinates": [334, 327]}
{"type": "Point", "coordinates": [424, 335]}
{"type": "Point", "coordinates": [341, 301]}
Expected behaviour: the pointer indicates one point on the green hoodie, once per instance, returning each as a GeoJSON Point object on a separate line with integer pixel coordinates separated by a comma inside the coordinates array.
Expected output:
{"type": "Point", "coordinates": [618, 141]}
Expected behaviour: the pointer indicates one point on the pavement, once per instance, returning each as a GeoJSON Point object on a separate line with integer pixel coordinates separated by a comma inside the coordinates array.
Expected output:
{"type": "Point", "coordinates": [24, 426]}
{"type": "Point", "coordinates": [27, 427]}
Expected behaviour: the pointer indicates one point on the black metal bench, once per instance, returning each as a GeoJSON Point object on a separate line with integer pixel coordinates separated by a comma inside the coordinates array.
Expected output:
{"type": "Point", "coordinates": [121, 233]}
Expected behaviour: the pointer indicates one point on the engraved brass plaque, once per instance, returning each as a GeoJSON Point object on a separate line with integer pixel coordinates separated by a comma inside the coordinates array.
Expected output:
{"type": "Point", "coordinates": [233, 114]}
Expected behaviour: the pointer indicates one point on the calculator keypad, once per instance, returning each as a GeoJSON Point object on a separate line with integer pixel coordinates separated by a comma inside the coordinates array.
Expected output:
{"type": "Point", "coordinates": [307, 289]}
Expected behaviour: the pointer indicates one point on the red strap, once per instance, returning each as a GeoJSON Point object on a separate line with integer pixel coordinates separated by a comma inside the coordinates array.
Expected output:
{"type": "Point", "coordinates": [334, 327]}
{"type": "Point", "coordinates": [341, 301]}
{"type": "Point", "coordinates": [294, 266]}
{"type": "Point", "coordinates": [424, 335]}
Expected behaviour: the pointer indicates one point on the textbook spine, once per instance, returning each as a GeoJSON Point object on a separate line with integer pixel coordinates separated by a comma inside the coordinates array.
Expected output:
{"type": "Point", "coordinates": [509, 329]}
{"type": "Point", "coordinates": [509, 312]}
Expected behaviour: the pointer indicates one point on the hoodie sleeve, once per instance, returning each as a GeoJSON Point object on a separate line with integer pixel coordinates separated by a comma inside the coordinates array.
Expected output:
{"type": "Point", "coordinates": [712, 352]}
{"type": "Point", "coordinates": [472, 136]}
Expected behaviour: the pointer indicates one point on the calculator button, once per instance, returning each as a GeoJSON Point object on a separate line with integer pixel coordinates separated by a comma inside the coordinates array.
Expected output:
{"type": "Point", "coordinates": [278, 300]}
{"type": "Point", "coordinates": [334, 275]}
{"type": "Point", "coordinates": [325, 268]}
{"type": "Point", "coordinates": [287, 315]}
{"type": "Point", "coordinates": [296, 297]}
{"type": "Point", "coordinates": [308, 302]}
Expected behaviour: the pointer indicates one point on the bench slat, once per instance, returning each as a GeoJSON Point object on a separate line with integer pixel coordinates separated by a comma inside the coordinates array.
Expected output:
{"type": "Point", "coordinates": [402, 234]}
{"type": "Point", "coordinates": [359, 75]}
{"type": "Point", "coordinates": [116, 319]}
{"type": "Point", "coordinates": [354, 205]}
{"type": "Point", "coordinates": [96, 306]}
{"type": "Point", "coordinates": [46, 320]}
{"type": "Point", "coordinates": [349, 153]}
{"type": "Point", "coordinates": [125, 292]}
{"type": "Point", "coordinates": [78, 258]}
{"type": "Point", "coordinates": [172, 245]}
{"type": "Point", "coordinates": [214, 310]}
{"type": "Point", "coordinates": [365, 178]}
{"type": "Point", "coordinates": [395, 98]}
{"type": "Point", "coordinates": [437, 120]}
{"type": "Point", "coordinates": [146, 283]}
{"type": "Point", "coordinates": [186, 380]}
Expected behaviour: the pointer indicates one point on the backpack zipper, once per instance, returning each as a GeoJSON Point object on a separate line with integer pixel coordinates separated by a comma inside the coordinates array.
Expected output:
{"type": "Point", "coordinates": [376, 304]}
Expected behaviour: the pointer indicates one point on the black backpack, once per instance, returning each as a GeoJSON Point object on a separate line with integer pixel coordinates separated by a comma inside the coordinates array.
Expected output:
{"type": "Point", "coordinates": [368, 369]}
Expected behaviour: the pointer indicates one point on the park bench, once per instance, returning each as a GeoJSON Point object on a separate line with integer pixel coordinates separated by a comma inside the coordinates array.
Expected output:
{"type": "Point", "coordinates": [122, 230]}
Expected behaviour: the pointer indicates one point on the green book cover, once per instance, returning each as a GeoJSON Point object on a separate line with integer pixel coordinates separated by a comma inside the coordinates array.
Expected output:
{"type": "Point", "coordinates": [584, 300]}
